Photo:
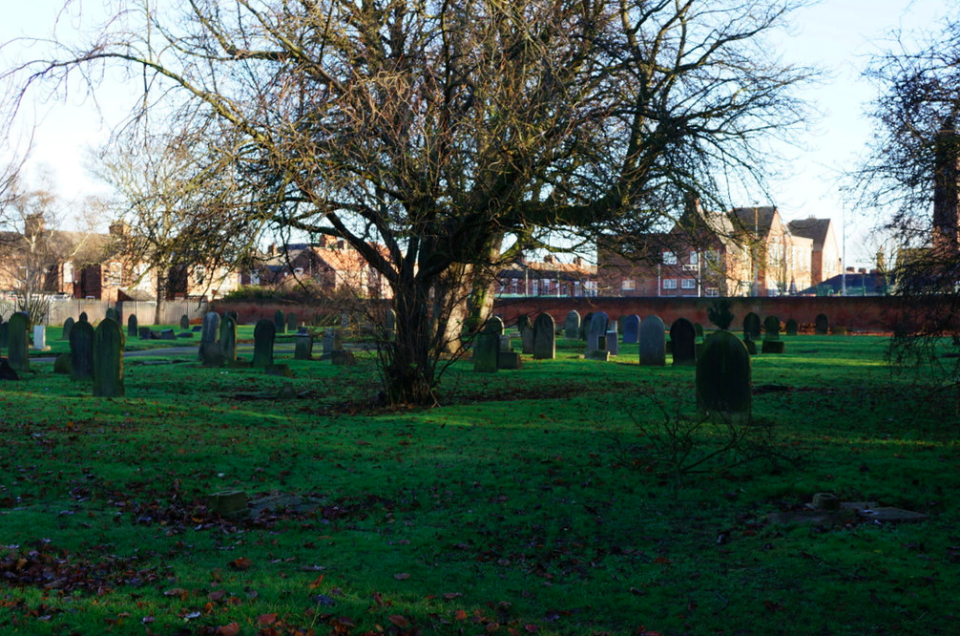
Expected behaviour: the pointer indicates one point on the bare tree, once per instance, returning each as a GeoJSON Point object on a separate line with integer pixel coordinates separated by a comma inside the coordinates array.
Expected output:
{"type": "Point", "coordinates": [912, 177]}
{"type": "Point", "coordinates": [430, 134]}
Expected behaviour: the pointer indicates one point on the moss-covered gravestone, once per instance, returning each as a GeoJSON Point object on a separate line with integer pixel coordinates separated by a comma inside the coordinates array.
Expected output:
{"type": "Point", "coordinates": [526, 335]}
{"type": "Point", "coordinates": [83, 317]}
{"type": "Point", "coordinates": [67, 328]}
{"type": "Point", "coordinates": [184, 322]}
{"type": "Point", "coordinates": [291, 321]}
{"type": "Point", "coordinates": [771, 328]}
{"type": "Point", "coordinates": [751, 326]}
{"type": "Point", "coordinates": [228, 339]}
{"type": "Point", "coordinates": [18, 342]}
{"type": "Point", "coordinates": [792, 327]}
{"type": "Point", "coordinates": [585, 326]}
{"type": "Point", "coordinates": [113, 315]}
{"type": "Point", "coordinates": [683, 336]}
{"type": "Point", "coordinates": [653, 346]}
{"type": "Point", "coordinates": [486, 347]}
{"type": "Point", "coordinates": [108, 342]}
{"type": "Point", "coordinates": [132, 328]}
{"type": "Point", "coordinates": [597, 331]}
{"type": "Point", "coordinates": [279, 322]}
{"type": "Point", "coordinates": [723, 377]}
{"type": "Point", "coordinates": [544, 337]}
{"type": "Point", "coordinates": [571, 325]}
{"type": "Point", "coordinates": [81, 351]}
{"type": "Point", "coordinates": [821, 325]}
{"type": "Point", "coordinates": [264, 335]}
{"type": "Point", "coordinates": [62, 364]}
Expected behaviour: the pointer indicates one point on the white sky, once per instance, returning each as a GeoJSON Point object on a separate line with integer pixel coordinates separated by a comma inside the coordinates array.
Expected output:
{"type": "Point", "coordinates": [836, 35]}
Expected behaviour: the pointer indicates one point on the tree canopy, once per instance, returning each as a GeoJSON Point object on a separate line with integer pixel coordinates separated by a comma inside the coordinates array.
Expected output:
{"type": "Point", "coordinates": [425, 133]}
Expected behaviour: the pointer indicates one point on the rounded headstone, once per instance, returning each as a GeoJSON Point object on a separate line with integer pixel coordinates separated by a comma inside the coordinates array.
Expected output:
{"type": "Point", "coordinates": [652, 342]}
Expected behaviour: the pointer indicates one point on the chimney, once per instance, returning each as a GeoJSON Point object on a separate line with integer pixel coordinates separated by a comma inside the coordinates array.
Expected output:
{"type": "Point", "coordinates": [33, 225]}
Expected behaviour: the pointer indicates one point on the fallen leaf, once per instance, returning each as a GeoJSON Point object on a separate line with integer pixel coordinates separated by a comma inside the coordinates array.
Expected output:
{"type": "Point", "coordinates": [243, 563]}
{"type": "Point", "coordinates": [267, 619]}
{"type": "Point", "coordinates": [316, 582]}
{"type": "Point", "coordinates": [452, 595]}
{"type": "Point", "coordinates": [403, 576]}
{"type": "Point", "coordinates": [399, 621]}
{"type": "Point", "coordinates": [228, 630]}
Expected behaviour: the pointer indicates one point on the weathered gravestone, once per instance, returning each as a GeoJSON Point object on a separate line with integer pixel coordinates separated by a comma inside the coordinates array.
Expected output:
{"type": "Point", "coordinates": [264, 334]}
{"type": "Point", "coordinates": [653, 351]}
{"type": "Point", "coordinates": [83, 317]}
{"type": "Point", "coordinates": [62, 364]}
{"type": "Point", "coordinates": [168, 334]}
{"type": "Point", "coordinates": [526, 334]}
{"type": "Point", "coordinates": [145, 333]}
{"type": "Point", "coordinates": [597, 332]}
{"type": "Point", "coordinates": [108, 359]}
{"type": "Point", "coordinates": [613, 339]}
{"type": "Point", "coordinates": [17, 342]}
{"type": "Point", "coordinates": [821, 325]}
{"type": "Point", "coordinates": [723, 377]}
{"type": "Point", "coordinates": [291, 321]}
{"type": "Point", "coordinates": [751, 326]}
{"type": "Point", "coordinates": [303, 345]}
{"type": "Point", "coordinates": [113, 315]}
{"type": "Point", "coordinates": [331, 343]}
{"type": "Point", "coordinates": [571, 325]}
{"type": "Point", "coordinates": [585, 326]}
{"type": "Point", "coordinates": [771, 328]}
{"type": "Point", "coordinates": [544, 337]}
{"type": "Point", "coordinates": [209, 351]}
{"type": "Point", "coordinates": [81, 351]}
{"type": "Point", "coordinates": [631, 329]}
{"type": "Point", "coordinates": [4, 335]}
{"type": "Point", "coordinates": [228, 339]}
{"type": "Point", "coordinates": [132, 326]}
{"type": "Point", "coordinates": [279, 322]}
{"type": "Point", "coordinates": [792, 327]}
{"type": "Point", "coordinates": [40, 338]}
{"type": "Point", "coordinates": [184, 322]}
{"type": "Point", "coordinates": [67, 328]}
{"type": "Point", "coordinates": [486, 347]}
{"type": "Point", "coordinates": [683, 337]}
{"type": "Point", "coordinates": [390, 324]}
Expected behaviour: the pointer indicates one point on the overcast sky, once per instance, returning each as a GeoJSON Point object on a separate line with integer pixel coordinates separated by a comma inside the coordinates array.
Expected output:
{"type": "Point", "coordinates": [835, 35]}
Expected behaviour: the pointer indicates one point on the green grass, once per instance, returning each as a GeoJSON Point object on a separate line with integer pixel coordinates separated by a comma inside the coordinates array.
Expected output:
{"type": "Point", "coordinates": [530, 502]}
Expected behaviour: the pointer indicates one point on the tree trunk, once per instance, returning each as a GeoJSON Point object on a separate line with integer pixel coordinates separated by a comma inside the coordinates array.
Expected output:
{"type": "Point", "coordinates": [410, 360]}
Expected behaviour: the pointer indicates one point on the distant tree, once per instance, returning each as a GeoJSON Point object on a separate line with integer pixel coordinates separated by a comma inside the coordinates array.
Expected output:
{"type": "Point", "coordinates": [431, 135]}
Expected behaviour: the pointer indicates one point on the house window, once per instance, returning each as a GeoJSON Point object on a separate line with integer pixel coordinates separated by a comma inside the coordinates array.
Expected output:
{"type": "Point", "coordinates": [535, 288]}
{"type": "Point", "coordinates": [591, 287]}
{"type": "Point", "coordinates": [711, 292]}
{"type": "Point", "coordinates": [669, 283]}
{"type": "Point", "coordinates": [688, 283]}
{"type": "Point", "coordinates": [199, 272]}
{"type": "Point", "coordinates": [298, 271]}
{"type": "Point", "coordinates": [546, 287]}
{"type": "Point", "coordinates": [67, 273]}
{"type": "Point", "coordinates": [114, 275]}
{"type": "Point", "coordinates": [628, 285]}
{"type": "Point", "coordinates": [712, 257]}
{"type": "Point", "coordinates": [669, 258]}
{"type": "Point", "coordinates": [254, 278]}
{"type": "Point", "coordinates": [694, 258]}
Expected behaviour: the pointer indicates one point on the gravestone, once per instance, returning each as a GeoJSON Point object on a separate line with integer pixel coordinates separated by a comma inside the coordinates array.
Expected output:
{"type": "Point", "coordinates": [631, 329]}
{"type": "Point", "coordinates": [613, 341]}
{"type": "Point", "coordinates": [344, 321]}
{"type": "Point", "coordinates": [526, 337]}
{"type": "Point", "coordinates": [303, 345]}
{"type": "Point", "coordinates": [291, 321]}
{"type": "Point", "coordinates": [113, 315]}
{"type": "Point", "coordinates": [751, 326]}
{"type": "Point", "coordinates": [596, 331]}
{"type": "Point", "coordinates": [699, 329]}
{"type": "Point", "coordinates": [585, 326]}
{"type": "Point", "coordinates": [83, 317]}
{"type": "Point", "coordinates": [17, 342]}
{"type": "Point", "coordinates": [264, 335]}
{"type": "Point", "coordinates": [4, 335]}
{"type": "Point", "coordinates": [108, 359]}
{"type": "Point", "coordinates": [523, 322]}
{"type": "Point", "coordinates": [571, 325]}
{"type": "Point", "coordinates": [486, 348]}
{"type": "Point", "coordinates": [40, 337]}
{"type": "Point", "coordinates": [81, 351]}
{"type": "Point", "coordinates": [390, 324]}
{"type": "Point", "coordinates": [132, 326]}
{"type": "Point", "coordinates": [821, 325]}
{"type": "Point", "coordinates": [167, 334]}
{"type": "Point", "coordinates": [208, 336]}
{"type": "Point", "coordinates": [723, 377]}
{"type": "Point", "coordinates": [544, 337]}
{"type": "Point", "coordinates": [792, 327]}
{"type": "Point", "coordinates": [329, 343]}
{"type": "Point", "coordinates": [67, 328]}
{"type": "Point", "coordinates": [506, 343]}
{"type": "Point", "coordinates": [683, 336]}
{"type": "Point", "coordinates": [771, 328]}
{"type": "Point", "coordinates": [279, 322]}
{"type": "Point", "coordinates": [184, 322]}
{"type": "Point", "coordinates": [62, 365]}
{"type": "Point", "coordinates": [228, 339]}
{"type": "Point", "coordinates": [145, 333]}
{"type": "Point", "coordinates": [235, 316]}
{"type": "Point", "coordinates": [652, 342]}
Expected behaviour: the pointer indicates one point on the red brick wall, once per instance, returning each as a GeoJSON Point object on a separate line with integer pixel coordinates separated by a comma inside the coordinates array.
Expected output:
{"type": "Point", "coordinates": [864, 314]}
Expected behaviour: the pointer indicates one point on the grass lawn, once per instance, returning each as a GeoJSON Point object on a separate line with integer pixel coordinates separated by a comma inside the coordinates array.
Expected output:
{"type": "Point", "coordinates": [539, 501]}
